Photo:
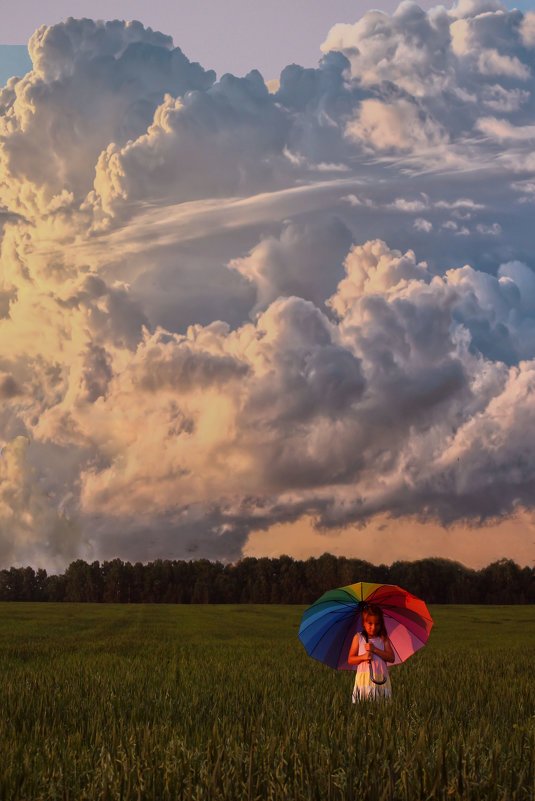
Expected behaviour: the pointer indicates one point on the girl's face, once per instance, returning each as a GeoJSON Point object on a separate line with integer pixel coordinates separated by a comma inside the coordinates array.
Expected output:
{"type": "Point", "coordinates": [371, 625]}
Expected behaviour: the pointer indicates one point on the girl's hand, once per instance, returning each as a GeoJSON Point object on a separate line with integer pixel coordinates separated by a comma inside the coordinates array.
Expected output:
{"type": "Point", "coordinates": [370, 649]}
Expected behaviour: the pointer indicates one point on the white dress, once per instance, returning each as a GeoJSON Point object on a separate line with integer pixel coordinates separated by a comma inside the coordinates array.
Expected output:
{"type": "Point", "coordinates": [364, 687]}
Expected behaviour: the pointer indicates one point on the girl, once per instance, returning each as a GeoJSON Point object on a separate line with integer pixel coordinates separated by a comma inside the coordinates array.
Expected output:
{"type": "Point", "coordinates": [370, 651]}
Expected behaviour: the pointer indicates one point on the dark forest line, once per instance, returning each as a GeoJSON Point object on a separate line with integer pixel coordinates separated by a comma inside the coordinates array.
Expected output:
{"type": "Point", "coordinates": [265, 580]}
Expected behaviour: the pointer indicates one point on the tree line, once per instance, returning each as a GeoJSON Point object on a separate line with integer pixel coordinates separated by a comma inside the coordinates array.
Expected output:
{"type": "Point", "coordinates": [265, 581]}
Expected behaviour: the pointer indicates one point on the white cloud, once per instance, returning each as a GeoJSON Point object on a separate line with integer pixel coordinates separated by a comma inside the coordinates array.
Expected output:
{"type": "Point", "coordinates": [503, 129]}
{"type": "Point", "coordinates": [408, 48]}
{"type": "Point", "coordinates": [527, 29]}
{"type": "Point", "coordinates": [491, 62]}
{"type": "Point", "coordinates": [504, 100]}
{"type": "Point", "coordinates": [494, 229]}
{"type": "Point", "coordinates": [394, 126]}
{"type": "Point", "coordinates": [421, 224]}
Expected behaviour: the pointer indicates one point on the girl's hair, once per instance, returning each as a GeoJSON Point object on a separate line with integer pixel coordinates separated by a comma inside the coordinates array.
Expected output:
{"type": "Point", "coordinates": [372, 610]}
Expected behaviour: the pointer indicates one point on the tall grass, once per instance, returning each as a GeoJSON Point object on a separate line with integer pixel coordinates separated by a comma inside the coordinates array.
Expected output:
{"type": "Point", "coordinates": [171, 702]}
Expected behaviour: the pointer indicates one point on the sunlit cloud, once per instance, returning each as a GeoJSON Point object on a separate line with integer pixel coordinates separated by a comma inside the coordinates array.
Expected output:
{"type": "Point", "coordinates": [228, 307]}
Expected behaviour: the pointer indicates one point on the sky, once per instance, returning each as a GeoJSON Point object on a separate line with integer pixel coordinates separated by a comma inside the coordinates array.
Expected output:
{"type": "Point", "coordinates": [252, 312]}
{"type": "Point", "coordinates": [227, 36]}
{"type": "Point", "coordinates": [231, 36]}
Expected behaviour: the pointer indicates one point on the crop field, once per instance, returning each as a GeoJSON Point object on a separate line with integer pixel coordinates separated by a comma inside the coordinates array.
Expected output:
{"type": "Point", "coordinates": [222, 702]}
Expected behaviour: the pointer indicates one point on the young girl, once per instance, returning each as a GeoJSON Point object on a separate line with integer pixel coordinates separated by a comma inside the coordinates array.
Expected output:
{"type": "Point", "coordinates": [371, 650]}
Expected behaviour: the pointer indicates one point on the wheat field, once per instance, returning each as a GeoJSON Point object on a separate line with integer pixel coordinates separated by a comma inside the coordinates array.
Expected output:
{"type": "Point", "coordinates": [222, 702]}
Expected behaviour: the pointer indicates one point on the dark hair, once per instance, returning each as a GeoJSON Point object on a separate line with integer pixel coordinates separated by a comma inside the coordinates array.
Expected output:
{"type": "Point", "coordinates": [372, 610]}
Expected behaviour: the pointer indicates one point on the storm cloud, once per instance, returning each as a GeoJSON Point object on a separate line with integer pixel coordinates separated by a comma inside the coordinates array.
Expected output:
{"type": "Point", "coordinates": [225, 306]}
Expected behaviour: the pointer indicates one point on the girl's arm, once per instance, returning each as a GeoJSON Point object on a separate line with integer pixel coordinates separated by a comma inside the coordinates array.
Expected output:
{"type": "Point", "coordinates": [386, 653]}
{"type": "Point", "coordinates": [354, 658]}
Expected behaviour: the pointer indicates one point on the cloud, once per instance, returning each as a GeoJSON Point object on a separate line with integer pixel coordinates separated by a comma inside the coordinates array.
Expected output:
{"type": "Point", "coordinates": [421, 224]}
{"type": "Point", "coordinates": [227, 307]}
{"type": "Point", "coordinates": [306, 260]}
{"type": "Point", "coordinates": [491, 62]}
{"type": "Point", "coordinates": [408, 49]}
{"type": "Point", "coordinates": [527, 29]}
{"type": "Point", "coordinates": [92, 83]}
{"type": "Point", "coordinates": [31, 526]}
{"type": "Point", "coordinates": [503, 129]}
{"type": "Point", "coordinates": [394, 126]}
{"type": "Point", "coordinates": [246, 131]}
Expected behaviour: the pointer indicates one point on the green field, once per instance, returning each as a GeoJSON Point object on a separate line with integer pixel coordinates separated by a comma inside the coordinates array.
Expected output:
{"type": "Point", "coordinates": [222, 702]}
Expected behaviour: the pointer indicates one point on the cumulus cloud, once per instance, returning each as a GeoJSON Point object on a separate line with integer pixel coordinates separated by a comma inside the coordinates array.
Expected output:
{"type": "Point", "coordinates": [306, 260]}
{"type": "Point", "coordinates": [226, 305]}
{"type": "Point", "coordinates": [396, 125]}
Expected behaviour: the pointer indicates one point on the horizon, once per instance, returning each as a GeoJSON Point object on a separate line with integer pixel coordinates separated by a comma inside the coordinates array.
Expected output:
{"type": "Point", "coordinates": [386, 565]}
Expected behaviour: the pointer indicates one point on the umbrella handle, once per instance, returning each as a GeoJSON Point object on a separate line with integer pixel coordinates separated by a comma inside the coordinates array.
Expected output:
{"type": "Point", "coordinates": [376, 681]}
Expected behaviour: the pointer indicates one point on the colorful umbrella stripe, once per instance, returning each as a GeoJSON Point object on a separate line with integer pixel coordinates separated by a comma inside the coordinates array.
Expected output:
{"type": "Point", "coordinates": [330, 624]}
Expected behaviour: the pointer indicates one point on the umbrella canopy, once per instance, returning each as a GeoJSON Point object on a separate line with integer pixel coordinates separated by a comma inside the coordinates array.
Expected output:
{"type": "Point", "coordinates": [329, 625]}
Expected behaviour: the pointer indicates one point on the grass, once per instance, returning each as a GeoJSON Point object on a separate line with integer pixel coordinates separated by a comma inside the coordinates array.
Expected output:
{"type": "Point", "coordinates": [206, 702]}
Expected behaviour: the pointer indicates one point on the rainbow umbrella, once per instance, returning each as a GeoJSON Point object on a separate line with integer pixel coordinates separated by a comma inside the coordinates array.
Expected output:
{"type": "Point", "coordinates": [329, 625]}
